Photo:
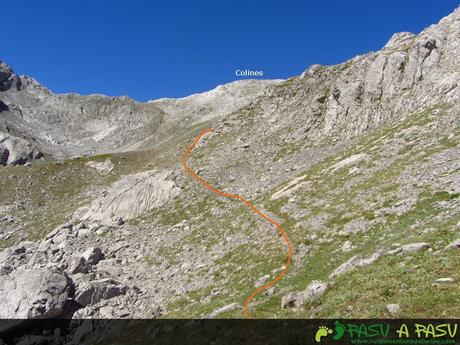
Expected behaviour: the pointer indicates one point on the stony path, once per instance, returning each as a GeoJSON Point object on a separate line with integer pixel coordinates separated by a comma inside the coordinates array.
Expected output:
{"type": "Point", "coordinates": [203, 182]}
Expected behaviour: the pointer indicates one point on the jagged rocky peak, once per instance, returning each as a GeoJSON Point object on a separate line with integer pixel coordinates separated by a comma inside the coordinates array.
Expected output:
{"type": "Point", "coordinates": [8, 78]}
{"type": "Point", "coordinates": [68, 125]}
{"type": "Point", "coordinates": [433, 35]}
{"type": "Point", "coordinates": [346, 100]}
{"type": "Point", "coordinates": [400, 40]}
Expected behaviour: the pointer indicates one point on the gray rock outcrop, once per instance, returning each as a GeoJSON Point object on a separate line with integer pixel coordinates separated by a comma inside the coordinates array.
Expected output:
{"type": "Point", "coordinates": [394, 309]}
{"type": "Point", "coordinates": [16, 151]}
{"type": "Point", "coordinates": [354, 262]}
{"type": "Point", "coordinates": [134, 195]}
{"type": "Point", "coordinates": [33, 293]}
{"type": "Point", "coordinates": [224, 309]}
{"type": "Point", "coordinates": [295, 299]}
{"type": "Point", "coordinates": [83, 263]}
{"type": "Point", "coordinates": [103, 167]}
{"type": "Point", "coordinates": [410, 248]}
{"type": "Point", "coordinates": [93, 255]}
{"type": "Point", "coordinates": [7, 78]}
{"type": "Point", "coordinates": [92, 292]}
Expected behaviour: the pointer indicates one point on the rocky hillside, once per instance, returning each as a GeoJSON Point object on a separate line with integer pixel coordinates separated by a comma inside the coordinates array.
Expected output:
{"type": "Point", "coordinates": [358, 162]}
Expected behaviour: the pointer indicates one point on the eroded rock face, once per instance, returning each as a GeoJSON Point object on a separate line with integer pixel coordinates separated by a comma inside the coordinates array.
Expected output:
{"type": "Point", "coordinates": [92, 292]}
{"type": "Point", "coordinates": [16, 151]}
{"type": "Point", "coordinates": [33, 293]}
{"type": "Point", "coordinates": [134, 195]}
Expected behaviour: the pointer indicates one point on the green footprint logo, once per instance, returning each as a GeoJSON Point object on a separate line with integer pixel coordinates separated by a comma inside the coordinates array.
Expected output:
{"type": "Point", "coordinates": [322, 331]}
{"type": "Point", "coordinates": [339, 330]}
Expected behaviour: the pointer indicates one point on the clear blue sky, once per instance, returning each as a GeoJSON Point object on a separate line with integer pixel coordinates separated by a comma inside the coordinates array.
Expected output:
{"type": "Point", "coordinates": [148, 49]}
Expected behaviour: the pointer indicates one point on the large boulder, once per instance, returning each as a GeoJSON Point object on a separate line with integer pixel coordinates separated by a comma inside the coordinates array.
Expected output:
{"type": "Point", "coordinates": [133, 195]}
{"type": "Point", "coordinates": [83, 263]}
{"type": "Point", "coordinates": [92, 292]}
{"type": "Point", "coordinates": [33, 293]}
{"type": "Point", "coordinates": [13, 257]}
{"type": "Point", "coordinates": [16, 151]}
{"type": "Point", "coordinates": [93, 255]}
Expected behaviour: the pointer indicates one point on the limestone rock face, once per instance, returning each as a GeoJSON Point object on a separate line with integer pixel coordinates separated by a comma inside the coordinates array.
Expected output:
{"type": "Point", "coordinates": [134, 195]}
{"type": "Point", "coordinates": [92, 292]}
{"type": "Point", "coordinates": [16, 151]}
{"type": "Point", "coordinates": [410, 72]}
{"type": "Point", "coordinates": [33, 293]}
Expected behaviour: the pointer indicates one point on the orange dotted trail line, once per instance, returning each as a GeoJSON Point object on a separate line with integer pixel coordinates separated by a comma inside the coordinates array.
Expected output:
{"type": "Point", "coordinates": [189, 171]}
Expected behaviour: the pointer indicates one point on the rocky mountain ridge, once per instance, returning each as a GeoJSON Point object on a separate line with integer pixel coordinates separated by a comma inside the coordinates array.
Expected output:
{"type": "Point", "coordinates": [68, 125]}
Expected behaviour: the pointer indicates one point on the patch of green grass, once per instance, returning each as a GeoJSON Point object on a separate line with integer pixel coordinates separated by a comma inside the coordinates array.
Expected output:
{"type": "Point", "coordinates": [150, 261]}
{"type": "Point", "coordinates": [365, 292]}
{"type": "Point", "coordinates": [286, 150]}
{"type": "Point", "coordinates": [448, 143]}
{"type": "Point", "coordinates": [406, 149]}
{"type": "Point", "coordinates": [443, 195]}
{"type": "Point", "coordinates": [322, 99]}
